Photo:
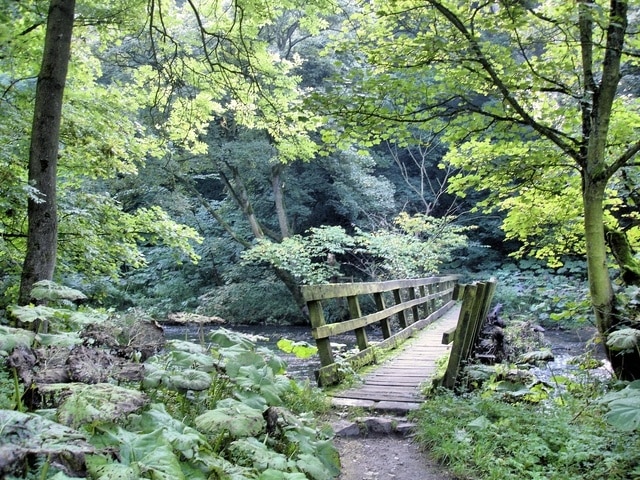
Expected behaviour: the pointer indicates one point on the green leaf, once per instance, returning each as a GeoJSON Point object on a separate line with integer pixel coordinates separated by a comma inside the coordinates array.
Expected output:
{"type": "Point", "coordinates": [188, 380]}
{"type": "Point", "coordinates": [278, 475]}
{"type": "Point", "coordinates": [103, 469]}
{"type": "Point", "coordinates": [23, 434]}
{"type": "Point", "coordinates": [624, 407]}
{"type": "Point", "coordinates": [148, 453]}
{"type": "Point", "coordinates": [59, 339]}
{"type": "Point", "coordinates": [11, 338]}
{"type": "Point", "coordinates": [237, 357]}
{"type": "Point", "coordinates": [234, 417]}
{"type": "Point", "coordinates": [62, 476]}
{"type": "Point", "coordinates": [161, 463]}
{"type": "Point", "coordinates": [299, 349]}
{"type": "Point", "coordinates": [48, 290]}
{"type": "Point", "coordinates": [226, 338]}
{"type": "Point", "coordinates": [32, 313]}
{"type": "Point", "coordinates": [186, 440]}
{"type": "Point", "coordinates": [184, 346]}
{"type": "Point", "coordinates": [480, 423]}
{"type": "Point", "coordinates": [187, 360]}
{"type": "Point", "coordinates": [624, 414]}
{"type": "Point", "coordinates": [252, 399]}
{"type": "Point", "coordinates": [98, 403]}
{"type": "Point", "coordinates": [623, 339]}
{"type": "Point", "coordinates": [258, 454]}
{"type": "Point", "coordinates": [313, 467]}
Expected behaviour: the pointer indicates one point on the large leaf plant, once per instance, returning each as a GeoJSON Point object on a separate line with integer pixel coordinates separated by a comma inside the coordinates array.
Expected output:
{"type": "Point", "coordinates": [201, 411]}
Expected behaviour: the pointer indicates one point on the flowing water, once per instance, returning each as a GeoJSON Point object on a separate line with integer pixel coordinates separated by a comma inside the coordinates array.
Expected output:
{"type": "Point", "coordinates": [566, 345]}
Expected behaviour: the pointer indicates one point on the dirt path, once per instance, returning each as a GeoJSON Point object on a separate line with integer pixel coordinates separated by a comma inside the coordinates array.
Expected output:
{"type": "Point", "coordinates": [380, 447]}
{"type": "Point", "coordinates": [386, 458]}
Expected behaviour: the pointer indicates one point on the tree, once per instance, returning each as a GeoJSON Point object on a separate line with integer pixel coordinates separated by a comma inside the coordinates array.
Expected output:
{"type": "Point", "coordinates": [42, 236]}
{"type": "Point", "coordinates": [74, 225]}
{"type": "Point", "coordinates": [534, 105]}
{"type": "Point", "coordinates": [231, 102]}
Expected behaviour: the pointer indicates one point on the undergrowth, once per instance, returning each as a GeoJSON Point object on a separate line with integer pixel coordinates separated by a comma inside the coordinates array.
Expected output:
{"type": "Point", "coordinates": [486, 435]}
{"type": "Point", "coordinates": [221, 409]}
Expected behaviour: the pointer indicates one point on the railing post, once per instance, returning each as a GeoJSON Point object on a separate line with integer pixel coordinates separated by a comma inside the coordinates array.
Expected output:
{"type": "Point", "coordinates": [458, 291]}
{"type": "Point", "coordinates": [385, 324]}
{"type": "Point", "coordinates": [456, 356]}
{"type": "Point", "coordinates": [476, 299]}
{"type": "Point", "coordinates": [414, 309]}
{"type": "Point", "coordinates": [433, 304]}
{"type": "Point", "coordinates": [402, 319]}
{"type": "Point", "coordinates": [355, 312]}
{"type": "Point", "coordinates": [316, 316]}
{"type": "Point", "coordinates": [424, 306]}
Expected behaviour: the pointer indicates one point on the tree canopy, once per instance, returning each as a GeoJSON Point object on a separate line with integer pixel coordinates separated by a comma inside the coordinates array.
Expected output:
{"type": "Point", "coordinates": [257, 125]}
{"type": "Point", "coordinates": [536, 101]}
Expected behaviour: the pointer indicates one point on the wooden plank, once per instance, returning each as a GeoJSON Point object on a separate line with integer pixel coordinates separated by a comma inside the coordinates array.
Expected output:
{"type": "Point", "coordinates": [409, 381]}
{"type": "Point", "coordinates": [387, 387]}
{"type": "Point", "coordinates": [399, 379]}
{"type": "Point", "coordinates": [447, 336]}
{"type": "Point", "coordinates": [411, 395]}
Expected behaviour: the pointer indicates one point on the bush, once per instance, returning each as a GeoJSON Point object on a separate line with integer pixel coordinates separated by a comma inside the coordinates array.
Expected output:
{"type": "Point", "coordinates": [265, 301]}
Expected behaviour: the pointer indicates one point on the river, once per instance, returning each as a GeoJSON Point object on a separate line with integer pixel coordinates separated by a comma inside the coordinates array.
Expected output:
{"type": "Point", "coordinates": [565, 344]}
{"type": "Point", "coordinates": [268, 336]}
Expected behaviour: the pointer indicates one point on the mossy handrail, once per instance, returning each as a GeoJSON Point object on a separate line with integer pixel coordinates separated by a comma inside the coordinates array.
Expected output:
{"type": "Point", "coordinates": [417, 303]}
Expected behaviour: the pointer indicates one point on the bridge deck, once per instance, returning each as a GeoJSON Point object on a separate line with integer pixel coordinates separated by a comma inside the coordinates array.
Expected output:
{"type": "Point", "coordinates": [394, 385]}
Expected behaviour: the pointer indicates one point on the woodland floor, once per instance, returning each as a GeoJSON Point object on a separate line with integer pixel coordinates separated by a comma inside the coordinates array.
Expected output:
{"type": "Point", "coordinates": [395, 457]}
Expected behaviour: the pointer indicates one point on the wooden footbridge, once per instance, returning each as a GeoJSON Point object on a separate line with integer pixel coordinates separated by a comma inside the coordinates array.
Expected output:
{"type": "Point", "coordinates": [428, 320]}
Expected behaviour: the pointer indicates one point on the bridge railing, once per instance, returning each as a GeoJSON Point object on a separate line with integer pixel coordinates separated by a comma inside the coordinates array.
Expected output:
{"type": "Point", "coordinates": [416, 303]}
{"type": "Point", "coordinates": [476, 300]}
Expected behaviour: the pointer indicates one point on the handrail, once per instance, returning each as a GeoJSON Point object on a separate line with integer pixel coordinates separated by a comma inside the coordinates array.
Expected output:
{"type": "Point", "coordinates": [433, 295]}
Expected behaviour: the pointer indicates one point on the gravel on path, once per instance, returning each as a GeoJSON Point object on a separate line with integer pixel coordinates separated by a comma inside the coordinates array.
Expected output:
{"type": "Point", "coordinates": [386, 458]}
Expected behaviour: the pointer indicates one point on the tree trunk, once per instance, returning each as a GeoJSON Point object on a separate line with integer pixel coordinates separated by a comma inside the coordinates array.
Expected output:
{"type": "Point", "coordinates": [278, 198]}
{"type": "Point", "coordinates": [42, 232]}
{"type": "Point", "coordinates": [596, 172]}
{"type": "Point", "coordinates": [622, 251]}
{"type": "Point", "coordinates": [625, 365]}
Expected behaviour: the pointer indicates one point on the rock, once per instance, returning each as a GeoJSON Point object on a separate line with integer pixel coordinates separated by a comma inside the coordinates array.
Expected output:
{"type": "Point", "coordinates": [345, 428]}
{"type": "Point", "coordinates": [379, 425]}
{"type": "Point", "coordinates": [405, 429]}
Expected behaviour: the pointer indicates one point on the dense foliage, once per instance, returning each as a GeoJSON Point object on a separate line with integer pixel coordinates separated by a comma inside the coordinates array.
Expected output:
{"type": "Point", "coordinates": [485, 437]}
{"type": "Point", "coordinates": [537, 104]}
{"type": "Point", "coordinates": [213, 156]}
{"type": "Point", "coordinates": [220, 409]}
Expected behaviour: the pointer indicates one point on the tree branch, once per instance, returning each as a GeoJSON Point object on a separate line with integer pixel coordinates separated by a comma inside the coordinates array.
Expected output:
{"type": "Point", "coordinates": [496, 80]}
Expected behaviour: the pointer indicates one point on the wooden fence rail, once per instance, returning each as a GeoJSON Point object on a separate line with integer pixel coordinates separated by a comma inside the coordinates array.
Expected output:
{"type": "Point", "coordinates": [417, 302]}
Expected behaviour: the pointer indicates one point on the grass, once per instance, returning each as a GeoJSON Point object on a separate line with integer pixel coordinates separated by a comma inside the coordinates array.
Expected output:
{"type": "Point", "coordinates": [483, 436]}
